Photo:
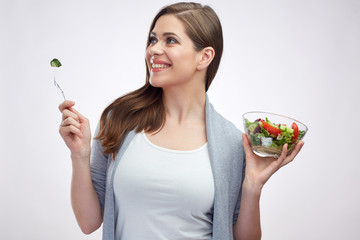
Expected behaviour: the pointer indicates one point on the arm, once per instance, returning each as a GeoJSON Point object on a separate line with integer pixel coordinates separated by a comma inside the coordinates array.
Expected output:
{"type": "Point", "coordinates": [75, 130]}
{"type": "Point", "coordinates": [247, 225]}
{"type": "Point", "coordinates": [84, 199]}
{"type": "Point", "coordinates": [258, 171]}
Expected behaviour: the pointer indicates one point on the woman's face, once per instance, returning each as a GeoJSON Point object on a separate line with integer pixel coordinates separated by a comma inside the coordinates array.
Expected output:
{"type": "Point", "coordinates": [170, 56]}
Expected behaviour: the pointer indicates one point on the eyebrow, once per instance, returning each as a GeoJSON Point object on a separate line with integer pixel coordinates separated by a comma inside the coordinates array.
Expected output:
{"type": "Point", "coordinates": [166, 34]}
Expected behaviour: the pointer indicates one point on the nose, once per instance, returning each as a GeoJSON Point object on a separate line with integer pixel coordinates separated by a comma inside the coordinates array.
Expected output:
{"type": "Point", "coordinates": [155, 49]}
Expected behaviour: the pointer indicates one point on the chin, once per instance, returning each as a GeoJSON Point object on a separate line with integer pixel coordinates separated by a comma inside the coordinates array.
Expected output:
{"type": "Point", "coordinates": [158, 81]}
{"type": "Point", "coordinates": [155, 83]}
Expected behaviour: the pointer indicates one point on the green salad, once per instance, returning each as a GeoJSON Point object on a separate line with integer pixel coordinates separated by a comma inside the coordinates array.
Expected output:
{"type": "Point", "coordinates": [269, 138]}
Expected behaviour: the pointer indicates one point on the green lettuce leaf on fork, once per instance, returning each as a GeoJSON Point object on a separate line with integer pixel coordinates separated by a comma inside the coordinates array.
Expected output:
{"type": "Point", "coordinates": [55, 63]}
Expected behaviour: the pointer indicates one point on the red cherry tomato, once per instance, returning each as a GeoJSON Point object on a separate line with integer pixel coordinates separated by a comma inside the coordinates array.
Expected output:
{"type": "Point", "coordinates": [296, 131]}
{"type": "Point", "coordinates": [271, 129]}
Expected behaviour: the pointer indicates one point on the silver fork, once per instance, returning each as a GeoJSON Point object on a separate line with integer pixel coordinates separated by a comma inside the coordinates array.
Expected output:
{"type": "Point", "coordinates": [57, 85]}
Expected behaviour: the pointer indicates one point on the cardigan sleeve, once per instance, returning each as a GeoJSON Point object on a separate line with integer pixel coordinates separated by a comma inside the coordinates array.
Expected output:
{"type": "Point", "coordinates": [237, 207]}
{"type": "Point", "coordinates": [98, 167]}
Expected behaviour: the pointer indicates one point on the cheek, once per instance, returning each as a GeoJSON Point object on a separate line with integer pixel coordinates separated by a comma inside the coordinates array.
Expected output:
{"type": "Point", "coordinates": [147, 58]}
{"type": "Point", "coordinates": [186, 61]}
{"type": "Point", "coordinates": [147, 54]}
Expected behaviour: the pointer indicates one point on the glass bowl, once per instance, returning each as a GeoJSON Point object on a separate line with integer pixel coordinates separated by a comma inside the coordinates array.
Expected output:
{"type": "Point", "coordinates": [268, 132]}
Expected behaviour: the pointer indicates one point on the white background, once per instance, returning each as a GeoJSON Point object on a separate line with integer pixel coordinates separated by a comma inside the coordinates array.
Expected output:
{"type": "Point", "coordinates": [297, 58]}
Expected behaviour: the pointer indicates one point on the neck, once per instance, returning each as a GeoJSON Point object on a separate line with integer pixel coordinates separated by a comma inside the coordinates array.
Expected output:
{"type": "Point", "coordinates": [185, 105]}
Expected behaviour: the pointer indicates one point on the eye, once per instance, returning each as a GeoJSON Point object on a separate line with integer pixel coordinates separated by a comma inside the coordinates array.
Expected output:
{"type": "Point", "coordinates": [171, 40]}
{"type": "Point", "coordinates": [152, 40]}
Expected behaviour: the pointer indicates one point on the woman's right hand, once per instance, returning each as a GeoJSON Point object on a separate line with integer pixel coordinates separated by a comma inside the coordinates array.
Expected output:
{"type": "Point", "coordinates": [75, 130]}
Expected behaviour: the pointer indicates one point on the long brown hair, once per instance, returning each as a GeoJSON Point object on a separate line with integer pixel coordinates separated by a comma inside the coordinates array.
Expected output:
{"type": "Point", "coordinates": [143, 108]}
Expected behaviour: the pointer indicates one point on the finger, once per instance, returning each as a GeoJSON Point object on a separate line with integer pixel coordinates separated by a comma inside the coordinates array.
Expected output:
{"type": "Point", "coordinates": [246, 145]}
{"type": "Point", "coordinates": [282, 156]}
{"type": "Point", "coordinates": [71, 129]}
{"type": "Point", "coordinates": [297, 149]}
{"type": "Point", "coordinates": [67, 113]}
{"type": "Point", "coordinates": [81, 117]}
{"type": "Point", "coordinates": [284, 151]}
{"type": "Point", "coordinates": [70, 121]}
{"type": "Point", "coordinates": [66, 104]}
{"type": "Point", "coordinates": [293, 154]}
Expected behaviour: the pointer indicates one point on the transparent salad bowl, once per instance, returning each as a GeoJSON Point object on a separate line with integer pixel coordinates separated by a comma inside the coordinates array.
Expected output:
{"type": "Point", "coordinates": [268, 132]}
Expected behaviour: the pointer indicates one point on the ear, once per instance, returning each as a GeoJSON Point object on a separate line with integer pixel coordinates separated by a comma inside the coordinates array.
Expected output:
{"type": "Point", "coordinates": [206, 56]}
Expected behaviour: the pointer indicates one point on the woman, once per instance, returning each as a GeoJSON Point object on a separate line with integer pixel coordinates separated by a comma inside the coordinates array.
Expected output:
{"type": "Point", "coordinates": [164, 164]}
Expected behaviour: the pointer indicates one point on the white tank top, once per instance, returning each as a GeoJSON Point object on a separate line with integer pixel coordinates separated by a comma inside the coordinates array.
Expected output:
{"type": "Point", "coordinates": [162, 193]}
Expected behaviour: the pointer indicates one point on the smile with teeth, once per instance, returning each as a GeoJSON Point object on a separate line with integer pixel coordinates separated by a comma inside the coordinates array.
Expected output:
{"type": "Point", "coordinates": [157, 66]}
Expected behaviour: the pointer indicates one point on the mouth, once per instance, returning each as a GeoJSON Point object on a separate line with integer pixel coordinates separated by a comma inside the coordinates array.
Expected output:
{"type": "Point", "coordinates": [158, 65]}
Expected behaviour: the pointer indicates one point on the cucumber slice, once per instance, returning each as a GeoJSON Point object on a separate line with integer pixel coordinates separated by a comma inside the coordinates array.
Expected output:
{"type": "Point", "coordinates": [55, 63]}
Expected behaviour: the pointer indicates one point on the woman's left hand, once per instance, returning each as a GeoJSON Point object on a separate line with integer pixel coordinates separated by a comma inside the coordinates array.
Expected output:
{"type": "Point", "coordinates": [259, 169]}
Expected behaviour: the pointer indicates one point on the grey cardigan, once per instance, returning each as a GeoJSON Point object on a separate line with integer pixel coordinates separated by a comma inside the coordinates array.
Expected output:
{"type": "Point", "coordinates": [227, 159]}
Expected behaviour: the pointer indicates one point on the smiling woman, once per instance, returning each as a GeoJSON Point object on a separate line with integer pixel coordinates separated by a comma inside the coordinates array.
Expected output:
{"type": "Point", "coordinates": [192, 30]}
{"type": "Point", "coordinates": [164, 164]}
{"type": "Point", "coordinates": [171, 58]}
